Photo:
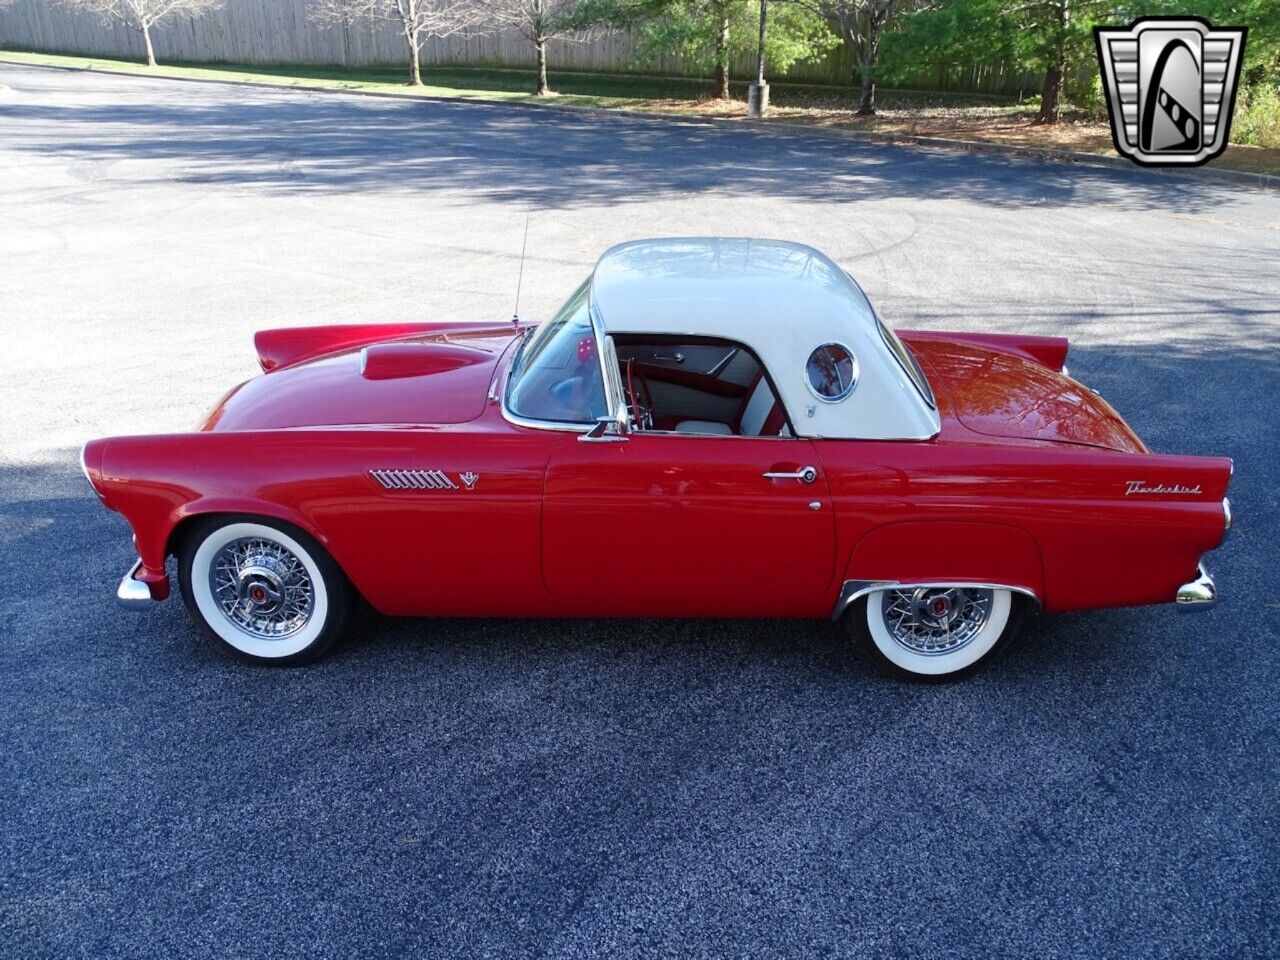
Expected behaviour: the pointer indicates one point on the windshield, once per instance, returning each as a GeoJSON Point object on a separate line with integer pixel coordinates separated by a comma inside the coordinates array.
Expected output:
{"type": "Point", "coordinates": [556, 375]}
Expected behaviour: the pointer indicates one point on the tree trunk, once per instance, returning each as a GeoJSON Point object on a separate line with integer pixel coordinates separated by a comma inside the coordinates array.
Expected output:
{"type": "Point", "coordinates": [1049, 109]}
{"type": "Point", "coordinates": [867, 63]}
{"type": "Point", "coordinates": [867, 103]}
{"type": "Point", "coordinates": [146, 39]}
{"type": "Point", "coordinates": [1050, 96]}
{"type": "Point", "coordinates": [544, 88]}
{"type": "Point", "coordinates": [415, 66]}
{"type": "Point", "coordinates": [722, 58]}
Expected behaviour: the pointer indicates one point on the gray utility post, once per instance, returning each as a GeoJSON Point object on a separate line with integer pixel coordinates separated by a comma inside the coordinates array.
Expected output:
{"type": "Point", "coordinates": [758, 92]}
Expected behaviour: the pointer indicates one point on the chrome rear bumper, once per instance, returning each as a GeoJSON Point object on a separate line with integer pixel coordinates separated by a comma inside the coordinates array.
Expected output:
{"type": "Point", "coordinates": [132, 593]}
{"type": "Point", "coordinates": [1200, 594]}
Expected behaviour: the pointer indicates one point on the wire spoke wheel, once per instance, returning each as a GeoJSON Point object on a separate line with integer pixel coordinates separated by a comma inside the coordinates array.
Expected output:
{"type": "Point", "coordinates": [936, 621]}
{"type": "Point", "coordinates": [262, 588]}
{"type": "Point", "coordinates": [933, 632]}
{"type": "Point", "coordinates": [263, 591]}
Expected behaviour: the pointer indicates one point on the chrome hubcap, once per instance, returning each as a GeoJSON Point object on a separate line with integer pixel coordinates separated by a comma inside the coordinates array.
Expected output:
{"type": "Point", "coordinates": [932, 620]}
{"type": "Point", "coordinates": [262, 588]}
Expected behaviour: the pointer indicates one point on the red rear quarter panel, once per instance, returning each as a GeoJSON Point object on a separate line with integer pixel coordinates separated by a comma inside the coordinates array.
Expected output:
{"type": "Point", "coordinates": [1053, 518]}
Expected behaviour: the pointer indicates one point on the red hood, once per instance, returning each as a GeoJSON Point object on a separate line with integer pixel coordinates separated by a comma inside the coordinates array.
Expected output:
{"type": "Point", "coordinates": [438, 378]}
{"type": "Point", "coordinates": [999, 394]}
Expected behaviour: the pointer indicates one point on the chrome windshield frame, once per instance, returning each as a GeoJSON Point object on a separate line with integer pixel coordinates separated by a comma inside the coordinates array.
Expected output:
{"type": "Point", "coordinates": [612, 385]}
{"type": "Point", "coordinates": [607, 353]}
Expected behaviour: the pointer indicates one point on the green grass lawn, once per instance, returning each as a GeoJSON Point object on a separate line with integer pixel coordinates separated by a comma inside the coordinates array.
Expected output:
{"type": "Point", "coordinates": [586, 89]}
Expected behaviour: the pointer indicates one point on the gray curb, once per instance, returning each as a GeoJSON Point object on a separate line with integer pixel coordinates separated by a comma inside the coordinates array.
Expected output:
{"type": "Point", "coordinates": [1260, 181]}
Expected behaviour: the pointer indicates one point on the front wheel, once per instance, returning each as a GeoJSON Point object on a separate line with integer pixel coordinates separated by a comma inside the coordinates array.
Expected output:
{"type": "Point", "coordinates": [934, 633]}
{"type": "Point", "coordinates": [262, 591]}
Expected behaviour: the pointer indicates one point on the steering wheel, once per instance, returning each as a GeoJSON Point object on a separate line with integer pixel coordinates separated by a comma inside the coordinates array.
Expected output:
{"type": "Point", "coordinates": [641, 410]}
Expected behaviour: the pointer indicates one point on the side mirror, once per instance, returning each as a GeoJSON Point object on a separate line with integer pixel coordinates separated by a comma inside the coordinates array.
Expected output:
{"type": "Point", "coordinates": [609, 429]}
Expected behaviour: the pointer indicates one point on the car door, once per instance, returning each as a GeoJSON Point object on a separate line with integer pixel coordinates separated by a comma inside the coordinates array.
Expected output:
{"type": "Point", "coordinates": [685, 525]}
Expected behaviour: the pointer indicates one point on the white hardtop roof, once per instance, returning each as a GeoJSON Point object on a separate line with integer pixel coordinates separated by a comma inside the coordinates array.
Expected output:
{"type": "Point", "coordinates": [782, 300]}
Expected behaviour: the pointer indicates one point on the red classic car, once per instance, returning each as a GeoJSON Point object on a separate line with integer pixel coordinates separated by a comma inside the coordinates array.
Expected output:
{"type": "Point", "coordinates": [707, 428]}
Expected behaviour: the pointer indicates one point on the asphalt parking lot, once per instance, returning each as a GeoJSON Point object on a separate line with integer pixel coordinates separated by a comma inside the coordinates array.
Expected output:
{"type": "Point", "coordinates": [567, 789]}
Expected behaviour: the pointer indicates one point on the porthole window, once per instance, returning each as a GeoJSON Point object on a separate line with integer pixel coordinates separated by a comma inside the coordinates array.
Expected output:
{"type": "Point", "coordinates": [832, 372]}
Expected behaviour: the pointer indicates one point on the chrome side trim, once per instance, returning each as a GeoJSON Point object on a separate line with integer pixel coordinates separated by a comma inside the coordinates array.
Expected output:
{"type": "Point", "coordinates": [1200, 594]}
{"type": "Point", "coordinates": [520, 421]}
{"type": "Point", "coordinates": [1226, 513]}
{"type": "Point", "coordinates": [132, 593]}
{"type": "Point", "coordinates": [414, 479]}
{"type": "Point", "coordinates": [854, 590]}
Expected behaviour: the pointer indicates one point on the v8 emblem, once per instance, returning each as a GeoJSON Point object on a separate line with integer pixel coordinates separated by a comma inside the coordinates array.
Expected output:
{"type": "Point", "coordinates": [469, 479]}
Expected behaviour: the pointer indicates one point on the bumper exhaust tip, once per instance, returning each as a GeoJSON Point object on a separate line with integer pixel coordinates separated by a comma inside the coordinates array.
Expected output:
{"type": "Point", "coordinates": [1200, 594]}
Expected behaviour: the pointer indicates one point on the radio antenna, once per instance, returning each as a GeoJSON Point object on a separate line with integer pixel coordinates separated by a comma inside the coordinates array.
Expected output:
{"type": "Point", "coordinates": [515, 316]}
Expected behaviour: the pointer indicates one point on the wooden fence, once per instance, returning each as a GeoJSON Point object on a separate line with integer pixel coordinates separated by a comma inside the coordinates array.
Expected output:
{"type": "Point", "coordinates": [279, 32]}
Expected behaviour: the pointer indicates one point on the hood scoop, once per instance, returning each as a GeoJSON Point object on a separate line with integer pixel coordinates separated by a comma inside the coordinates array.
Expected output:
{"type": "Point", "coordinates": [397, 361]}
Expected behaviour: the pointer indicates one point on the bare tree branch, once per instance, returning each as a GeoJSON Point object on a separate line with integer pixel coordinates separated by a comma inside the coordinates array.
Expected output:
{"type": "Point", "coordinates": [417, 20]}
{"type": "Point", "coordinates": [142, 15]}
{"type": "Point", "coordinates": [539, 21]}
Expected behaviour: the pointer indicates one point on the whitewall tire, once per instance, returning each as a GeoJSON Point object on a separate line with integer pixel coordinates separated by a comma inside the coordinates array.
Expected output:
{"type": "Point", "coordinates": [934, 633]}
{"type": "Point", "coordinates": [263, 591]}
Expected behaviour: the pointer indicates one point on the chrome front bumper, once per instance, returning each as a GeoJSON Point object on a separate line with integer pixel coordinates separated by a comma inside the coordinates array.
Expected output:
{"type": "Point", "coordinates": [1200, 594]}
{"type": "Point", "coordinates": [132, 593]}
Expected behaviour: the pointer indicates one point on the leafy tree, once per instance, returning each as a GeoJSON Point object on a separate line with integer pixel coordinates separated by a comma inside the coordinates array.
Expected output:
{"type": "Point", "coordinates": [1046, 35]}
{"type": "Point", "coordinates": [860, 24]}
{"type": "Point", "coordinates": [712, 33]}
{"type": "Point", "coordinates": [415, 19]}
{"type": "Point", "coordinates": [1056, 36]}
{"type": "Point", "coordinates": [142, 15]}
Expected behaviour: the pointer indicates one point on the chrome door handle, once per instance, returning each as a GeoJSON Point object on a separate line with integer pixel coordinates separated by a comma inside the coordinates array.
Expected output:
{"type": "Point", "coordinates": [804, 475]}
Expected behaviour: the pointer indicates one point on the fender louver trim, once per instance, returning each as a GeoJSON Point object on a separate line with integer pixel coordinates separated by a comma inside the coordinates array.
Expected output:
{"type": "Point", "coordinates": [413, 479]}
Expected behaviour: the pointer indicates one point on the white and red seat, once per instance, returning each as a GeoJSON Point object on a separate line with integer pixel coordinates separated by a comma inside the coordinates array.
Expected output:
{"type": "Point", "coordinates": [759, 415]}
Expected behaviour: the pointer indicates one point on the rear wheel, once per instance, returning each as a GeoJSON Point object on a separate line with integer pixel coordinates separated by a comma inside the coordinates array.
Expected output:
{"type": "Point", "coordinates": [934, 633]}
{"type": "Point", "coordinates": [262, 591]}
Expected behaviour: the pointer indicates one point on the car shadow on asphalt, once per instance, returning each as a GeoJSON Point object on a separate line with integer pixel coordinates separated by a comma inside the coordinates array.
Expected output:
{"type": "Point", "coordinates": [83, 549]}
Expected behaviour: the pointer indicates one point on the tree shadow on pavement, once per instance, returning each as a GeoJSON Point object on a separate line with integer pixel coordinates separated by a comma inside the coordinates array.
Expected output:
{"type": "Point", "coordinates": [297, 143]}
